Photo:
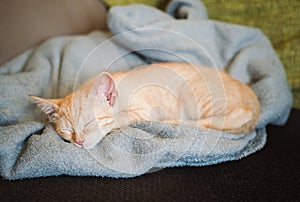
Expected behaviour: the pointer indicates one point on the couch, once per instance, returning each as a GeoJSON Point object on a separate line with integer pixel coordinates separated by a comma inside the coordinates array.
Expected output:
{"type": "Point", "coordinates": [270, 174]}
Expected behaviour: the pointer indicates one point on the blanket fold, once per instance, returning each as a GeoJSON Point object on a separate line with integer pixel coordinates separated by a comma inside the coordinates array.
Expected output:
{"type": "Point", "coordinates": [29, 146]}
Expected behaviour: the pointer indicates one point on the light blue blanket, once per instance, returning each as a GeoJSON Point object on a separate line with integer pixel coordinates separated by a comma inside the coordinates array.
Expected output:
{"type": "Point", "coordinates": [29, 147]}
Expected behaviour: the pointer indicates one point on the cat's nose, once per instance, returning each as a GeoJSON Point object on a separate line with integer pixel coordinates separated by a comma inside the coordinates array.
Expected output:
{"type": "Point", "coordinates": [79, 142]}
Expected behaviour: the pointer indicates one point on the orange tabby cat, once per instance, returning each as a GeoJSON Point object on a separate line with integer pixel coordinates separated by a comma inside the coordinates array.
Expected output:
{"type": "Point", "coordinates": [175, 93]}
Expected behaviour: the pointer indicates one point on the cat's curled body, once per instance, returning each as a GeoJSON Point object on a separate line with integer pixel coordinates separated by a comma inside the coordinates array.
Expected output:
{"type": "Point", "coordinates": [175, 93]}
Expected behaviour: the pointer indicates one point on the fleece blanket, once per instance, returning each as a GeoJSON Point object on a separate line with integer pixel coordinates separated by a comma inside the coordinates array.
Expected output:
{"type": "Point", "coordinates": [29, 147]}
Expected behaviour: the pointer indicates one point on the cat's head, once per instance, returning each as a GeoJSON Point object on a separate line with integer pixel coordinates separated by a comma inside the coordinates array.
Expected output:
{"type": "Point", "coordinates": [85, 116]}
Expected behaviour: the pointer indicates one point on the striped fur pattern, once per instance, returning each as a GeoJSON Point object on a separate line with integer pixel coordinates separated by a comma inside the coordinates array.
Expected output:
{"type": "Point", "coordinates": [175, 93]}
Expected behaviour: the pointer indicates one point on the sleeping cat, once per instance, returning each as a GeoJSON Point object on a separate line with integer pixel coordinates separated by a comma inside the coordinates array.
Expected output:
{"type": "Point", "coordinates": [174, 93]}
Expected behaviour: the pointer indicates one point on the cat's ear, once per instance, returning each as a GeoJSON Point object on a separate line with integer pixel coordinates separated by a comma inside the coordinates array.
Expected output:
{"type": "Point", "coordinates": [48, 106]}
{"type": "Point", "coordinates": [105, 88]}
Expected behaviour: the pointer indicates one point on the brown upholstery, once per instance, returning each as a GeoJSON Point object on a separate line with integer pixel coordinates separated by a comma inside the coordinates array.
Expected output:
{"type": "Point", "coordinates": [27, 23]}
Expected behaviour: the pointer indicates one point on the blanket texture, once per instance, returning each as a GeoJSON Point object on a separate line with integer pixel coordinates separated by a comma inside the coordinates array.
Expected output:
{"type": "Point", "coordinates": [29, 147]}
